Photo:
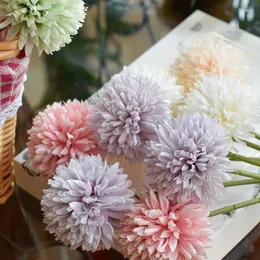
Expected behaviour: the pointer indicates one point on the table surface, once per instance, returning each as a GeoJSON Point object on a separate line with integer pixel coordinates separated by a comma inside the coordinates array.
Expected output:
{"type": "Point", "coordinates": [105, 50]}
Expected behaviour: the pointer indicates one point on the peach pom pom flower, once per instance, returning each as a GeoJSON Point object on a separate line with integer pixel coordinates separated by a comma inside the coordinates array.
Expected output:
{"type": "Point", "coordinates": [206, 56]}
{"type": "Point", "coordinates": [156, 228]}
{"type": "Point", "coordinates": [59, 133]}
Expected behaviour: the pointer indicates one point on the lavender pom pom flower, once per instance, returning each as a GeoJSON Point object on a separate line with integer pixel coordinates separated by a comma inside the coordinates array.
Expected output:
{"type": "Point", "coordinates": [85, 202]}
{"type": "Point", "coordinates": [188, 162]}
{"type": "Point", "coordinates": [125, 113]}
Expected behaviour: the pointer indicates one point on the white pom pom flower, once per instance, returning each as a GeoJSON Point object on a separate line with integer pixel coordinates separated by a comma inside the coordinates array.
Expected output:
{"type": "Point", "coordinates": [229, 101]}
{"type": "Point", "coordinates": [46, 24]}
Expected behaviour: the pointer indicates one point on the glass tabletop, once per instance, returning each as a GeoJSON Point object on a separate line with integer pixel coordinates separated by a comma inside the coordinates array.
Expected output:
{"type": "Point", "coordinates": [115, 33]}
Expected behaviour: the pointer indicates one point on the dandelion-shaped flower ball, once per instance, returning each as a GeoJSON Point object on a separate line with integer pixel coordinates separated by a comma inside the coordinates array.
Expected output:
{"type": "Point", "coordinates": [206, 56]}
{"type": "Point", "coordinates": [229, 101]}
{"type": "Point", "coordinates": [125, 114]}
{"type": "Point", "coordinates": [46, 24]}
{"type": "Point", "coordinates": [164, 79]}
{"type": "Point", "coordinates": [59, 133]}
{"type": "Point", "coordinates": [85, 202]}
{"type": "Point", "coordinates": [188, 162]}
{"type": "Point", "coordinates": [156, 228]}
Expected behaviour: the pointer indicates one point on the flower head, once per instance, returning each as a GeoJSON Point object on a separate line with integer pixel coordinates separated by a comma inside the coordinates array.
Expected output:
{"type": "Point", "coordinates": [85, 202]}
{"type": "Point", "coordinates": [126, 111]}
{"type": "Point", "coordinates": [156, 228]}
{"type": "Point", "coordinates": [188, 162]}
{"type": "Point", "coordinates": [229, 101]}
{"type": "Point", "coordinates": [59, 133]}
{"type": "Point", "coordinates": [207, 56]}
{"type": "Point", "coordinates": [164, 79]}
{"type": "Point", "coordinates": [46, 24]}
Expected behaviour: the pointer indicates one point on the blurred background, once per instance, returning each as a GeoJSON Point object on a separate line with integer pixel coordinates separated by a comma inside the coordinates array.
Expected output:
{"type": "Point", "coordinates": [115, 33]}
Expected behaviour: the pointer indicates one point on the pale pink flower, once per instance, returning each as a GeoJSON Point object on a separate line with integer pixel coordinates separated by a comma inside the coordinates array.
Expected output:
{"type": "Point", "coordinates": [208, 55]}
{"type": "Point", "coordinates": [156, 228]}
{"type": "Point", "coordinates": [59, 133]}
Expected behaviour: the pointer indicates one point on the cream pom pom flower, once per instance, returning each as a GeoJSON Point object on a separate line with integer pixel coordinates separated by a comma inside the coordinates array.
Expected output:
{"type": "Point", "coordinates": [46, 24]}
{"type": "Point", "coordinates": [164, 79]}
{"type": "Point", "coordinates": [208, 55]}
{"type": "Point", "coordinates": [229, 101]}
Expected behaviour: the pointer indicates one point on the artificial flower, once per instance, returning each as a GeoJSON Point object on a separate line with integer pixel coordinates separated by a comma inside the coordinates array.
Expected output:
{"type": "Point", "coordinates": [156, 228]}
{"type": "Point", "coordinates": [188, 162]}
{"type": "Point", "coordinates": [59, 133]}
{"type": "Point", "coordinates": [164, 79]}
{"type": "Point", "coordinates": [205, 56]}
{"type": "Point", "coordinates": [125, 113]}
{"type": "Point", "coordinates": [85, 202]}
{"type": "Point", "coordinates": [229, 101]}
{"type": "Point", "coordinates": [48, 25]}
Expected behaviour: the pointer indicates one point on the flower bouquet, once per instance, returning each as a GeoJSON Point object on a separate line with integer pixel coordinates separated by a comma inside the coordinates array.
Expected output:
{"type": "Point", "coordinates": [139, 166]}
{"type": "Point", "coordinates": [23, 25]}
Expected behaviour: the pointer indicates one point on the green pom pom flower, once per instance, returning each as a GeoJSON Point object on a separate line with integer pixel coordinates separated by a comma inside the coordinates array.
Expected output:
{"type": "Point", "coordinates": [46, 24]}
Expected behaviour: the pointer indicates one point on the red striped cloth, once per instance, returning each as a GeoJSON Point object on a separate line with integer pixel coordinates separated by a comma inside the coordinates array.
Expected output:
{"type": "Point", "coordinates": [12, 75]}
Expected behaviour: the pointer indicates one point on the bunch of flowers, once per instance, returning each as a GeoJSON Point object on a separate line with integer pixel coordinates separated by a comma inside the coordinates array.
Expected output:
{"type": "Point", "coordinates": [47, 25]}
{"type": "Point", "coordinates": [90, 203]}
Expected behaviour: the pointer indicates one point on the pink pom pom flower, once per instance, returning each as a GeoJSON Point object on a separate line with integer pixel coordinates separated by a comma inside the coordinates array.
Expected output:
{"type": "Point", "coordinates": [156, 228]}
{"type": "Point", "coordinates": [59, 133]}
{"type": "Point", "coordinates": [208, 55]}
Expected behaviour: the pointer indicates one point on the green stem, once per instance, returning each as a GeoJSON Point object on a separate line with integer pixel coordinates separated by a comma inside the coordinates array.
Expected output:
{"type": "Point", "coordinates": [246, 174]}
{"type": "Point", "coordinates": [234, 207]}
{"type": "Point", "coordinates": [254, 158]}
{"type": "Point", "coordinates": [240, 182]}
{"type": "Point", "coordinates": [238, 157]}
{"type": "Point", "coordinates": [252, 145]}
{"type": "Point", "coordinates": [257, 136]}
{"type": "Point", "coordinates": [251, 158]}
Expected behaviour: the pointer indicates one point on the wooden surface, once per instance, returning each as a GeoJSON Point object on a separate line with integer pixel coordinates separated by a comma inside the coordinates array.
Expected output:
{"type": "Point", "coordinates": [7, 139]}
{"type": "Point", "coordinates": [9, 49]}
